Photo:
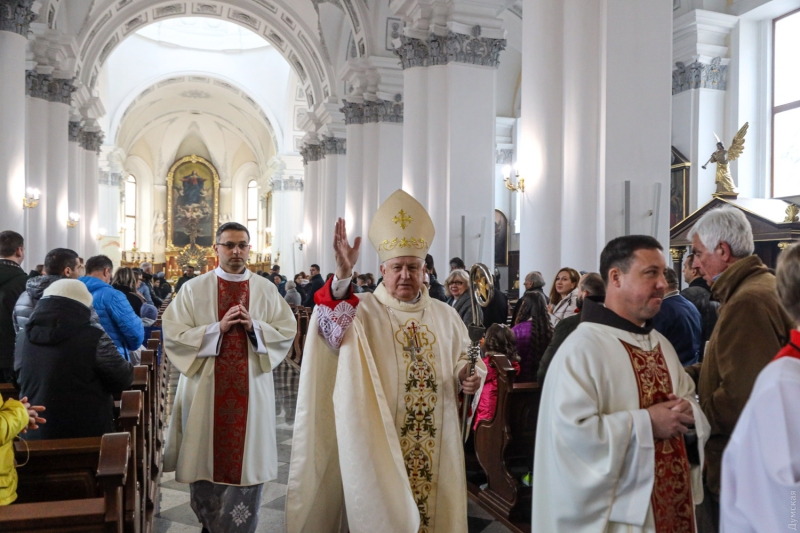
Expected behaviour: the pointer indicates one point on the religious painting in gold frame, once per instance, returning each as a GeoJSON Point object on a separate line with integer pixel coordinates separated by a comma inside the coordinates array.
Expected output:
{"type": "Point", "coordinates": [192, 203]}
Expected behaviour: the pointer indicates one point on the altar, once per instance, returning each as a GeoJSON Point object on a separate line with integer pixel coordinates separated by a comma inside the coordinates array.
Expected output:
{"type": "Point", "coordinates": [192, 215]}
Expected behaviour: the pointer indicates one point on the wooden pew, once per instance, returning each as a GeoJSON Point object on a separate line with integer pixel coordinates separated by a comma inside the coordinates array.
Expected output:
{"type": "Point", "coordinates": [506, 443]}
{"type": "Point", "coordinates": [97, 506]}
{"type": "Point", "coordinates": [7, 390]}
{"type": "Point", "coordinates": [303, 317]}
{"type": "Point", "coordinates": [130, 420]}
{"type": "Point", "coordinates": [141, 382]}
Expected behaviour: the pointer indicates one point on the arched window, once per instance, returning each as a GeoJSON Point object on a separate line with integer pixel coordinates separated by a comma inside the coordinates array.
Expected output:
{"type": "Point", "coordinates": [252, 211]}
{"type": "Point", "coordinates": [130, 213]}
{"type": "Point", "coordinates": [786, 106]}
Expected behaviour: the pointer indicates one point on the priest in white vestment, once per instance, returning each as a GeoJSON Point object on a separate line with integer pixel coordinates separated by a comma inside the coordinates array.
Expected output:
{"type": "Point", "coordinates": [377, 443]}
{"type": "Point", "coordinates": [761, 464]}
{"type": "Point", "coordinates": [611, 453]}
{"type": "Point", "coordinates": [226, 331]}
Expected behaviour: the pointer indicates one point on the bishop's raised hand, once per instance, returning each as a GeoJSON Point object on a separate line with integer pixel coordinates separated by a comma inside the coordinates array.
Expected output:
{"type": "Point", "coordinates": [345, 255]}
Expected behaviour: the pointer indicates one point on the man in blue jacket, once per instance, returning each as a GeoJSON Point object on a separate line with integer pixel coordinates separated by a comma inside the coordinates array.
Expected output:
{"type": "Point", "coordinates": [116, 314]}
{"type": "Point", "coordinates": [679, 321]}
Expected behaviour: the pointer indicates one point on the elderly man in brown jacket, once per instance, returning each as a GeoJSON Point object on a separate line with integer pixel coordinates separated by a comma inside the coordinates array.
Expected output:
{"type": "Point", "coordinates": [752, 327]}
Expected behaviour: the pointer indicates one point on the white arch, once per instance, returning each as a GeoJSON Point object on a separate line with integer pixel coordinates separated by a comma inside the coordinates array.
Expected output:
{"type": "Point", "coordinates": [110, 24]}
{"type": "Point", "coordinates": [270, 119]}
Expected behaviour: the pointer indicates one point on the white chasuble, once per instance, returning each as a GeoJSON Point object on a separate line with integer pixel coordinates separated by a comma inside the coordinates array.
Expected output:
{"type": "Point", "coordinates": [192, 342]}
{"type": "Point", "coordinates": [597, 467]}
{"type": "Point", "coordinates": [377, 431]}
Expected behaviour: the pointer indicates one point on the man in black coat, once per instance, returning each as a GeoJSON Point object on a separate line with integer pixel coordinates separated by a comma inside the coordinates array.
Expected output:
{"type": "Point", "coordinates": [71, 367]}
{"type": "Point", "coordinates": [311, 289]}
{"type": "Point", "coordinates": [187, 275]}
{"type": "Point", "coordinates": [436, 289]}
{"type": "Point", "coordinates": [699, 293]}
{"type": "Point", "coordinates": [12, 285]}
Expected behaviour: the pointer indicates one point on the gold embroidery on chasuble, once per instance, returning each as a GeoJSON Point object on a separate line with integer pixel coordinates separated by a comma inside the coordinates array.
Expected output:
{"type": "Point", "coordinates": [419, 419]}
{"type": "Point", "coordinates": [673, 506]}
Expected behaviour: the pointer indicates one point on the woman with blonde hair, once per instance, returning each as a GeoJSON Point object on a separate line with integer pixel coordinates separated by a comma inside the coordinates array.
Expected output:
{"type": "Point", "coordinates": [456, 288]}
{"type": "Point", "coordinates": [564, 295]}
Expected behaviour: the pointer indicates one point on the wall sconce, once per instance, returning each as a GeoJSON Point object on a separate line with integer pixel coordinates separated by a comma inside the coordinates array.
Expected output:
{"type": "Point", "coordinates": [520, 186]}
{"type": "Point", "coordinates": [101, 232]}
{"type": "Point", "coordinates": [301, 239]}
{"type": "Point", "coordinates": [73, 220]}
{"type": "Point", "coordinates": [31, 198]}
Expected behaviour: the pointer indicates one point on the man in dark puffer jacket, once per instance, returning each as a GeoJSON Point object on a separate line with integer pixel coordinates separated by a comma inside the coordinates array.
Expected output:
{"type": "Point", "coordinates": [59, 263]}
{"type": "Point", "coordinates": [74, 367]}
{"type": "Point", "coordinates": [12, 284]}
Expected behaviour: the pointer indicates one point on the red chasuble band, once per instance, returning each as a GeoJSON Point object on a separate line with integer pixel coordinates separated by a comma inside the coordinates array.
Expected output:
{"type": "Point", "coordinates": [231, 388]}
{"type": "Point", "coordinates": [792, 349]}
{"type": "Point", "coordinates": [673, 507]}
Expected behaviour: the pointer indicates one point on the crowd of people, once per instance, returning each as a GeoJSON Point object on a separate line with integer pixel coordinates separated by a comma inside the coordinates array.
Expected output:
{"type": "Point", "coordinates": [648, 387]}
{"type": "Point", "coordinates": [71, 332]}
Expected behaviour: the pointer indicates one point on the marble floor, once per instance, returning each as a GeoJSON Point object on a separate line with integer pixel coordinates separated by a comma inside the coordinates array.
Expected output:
{"type": "Point", "coordinates": [176, 515]}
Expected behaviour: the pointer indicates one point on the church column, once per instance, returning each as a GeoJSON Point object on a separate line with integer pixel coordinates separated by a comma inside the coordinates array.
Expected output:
{"type": "Point", "coordinates": [354, 187]}
{"type": "Point", "coordinates": [450, 69]}
{"type": "Point", "coordinates": [58, 207]}
{"type": "Point", "coordinates": [76, 237]}
{"type": "Point", "coordinates": [595, 115]}
{"type": "Point", "coordinates": [333, 166]}
{"type": "Point", "coordinates": [37, 123]}
{"type": "Point", "coordinates": [287, 222]}
{"type": "Point", "coordinates": [93, 230]}
{"type": "Point", "coordinates": [374, 117]}
{"type": "Point", "coordinates": [311, 153]}
{"type": "Point", "coordinates": [699, 87]}
{"type": "Point", "coordinates": [13, 42]}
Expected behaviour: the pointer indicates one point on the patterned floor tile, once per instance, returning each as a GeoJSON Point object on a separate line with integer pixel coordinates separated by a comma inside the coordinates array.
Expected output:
{"type": "Point", "coordinates": [172, 498]}
{"type": "Point", "coordinates": [272, 491]}
{"type": "Point", "coordinates": [161, 525]}
{"type": "Point", "coordinates": [182, 513]}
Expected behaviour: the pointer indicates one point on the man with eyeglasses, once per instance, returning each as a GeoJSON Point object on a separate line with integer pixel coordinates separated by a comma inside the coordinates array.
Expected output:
{"type": "Point", "coordinates": [225, 331]}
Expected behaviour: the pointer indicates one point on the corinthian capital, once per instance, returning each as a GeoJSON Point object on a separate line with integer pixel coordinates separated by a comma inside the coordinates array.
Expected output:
{"type": "Point", "coordinates": [92, 140]}
{"type": "Point", "coordinates": [451, 48]}
{"type": "Point", "coordinates": [16, 16]}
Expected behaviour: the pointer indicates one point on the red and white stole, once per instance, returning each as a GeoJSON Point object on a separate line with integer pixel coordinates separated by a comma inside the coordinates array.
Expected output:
{"type": "Point", "coordinates": [231, 387]}
{"type": "Point", "coordinates": [673, 506]}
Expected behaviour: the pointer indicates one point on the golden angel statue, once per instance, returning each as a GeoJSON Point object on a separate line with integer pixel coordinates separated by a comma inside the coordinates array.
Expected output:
{"type": "Point", "coordinates": [722, 157]}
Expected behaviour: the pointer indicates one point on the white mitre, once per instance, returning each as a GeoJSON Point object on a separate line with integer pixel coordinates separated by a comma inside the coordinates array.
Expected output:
{"type": "Point", "coordinates": [401, 227]}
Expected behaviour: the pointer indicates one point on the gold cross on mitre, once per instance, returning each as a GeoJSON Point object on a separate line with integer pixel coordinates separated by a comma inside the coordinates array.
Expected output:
{"type": "Point", "coordinates": [403, 219]}
{"type": "Point", "coordinates": [401, 228]}
{"type": "Point", "coordinates": [413, 346]}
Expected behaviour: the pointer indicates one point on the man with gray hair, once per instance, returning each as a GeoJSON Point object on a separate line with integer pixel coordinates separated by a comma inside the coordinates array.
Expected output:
{"type": "Point", "coordinates": [752, 327]}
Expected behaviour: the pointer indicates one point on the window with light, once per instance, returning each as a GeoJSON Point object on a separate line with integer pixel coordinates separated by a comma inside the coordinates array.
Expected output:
{"type": "Point", "coordinates": [786, 106]}
{"type": "Point", "coordinates": [252, 210]}
{"type": "Point", "coordinates": [130, 213]}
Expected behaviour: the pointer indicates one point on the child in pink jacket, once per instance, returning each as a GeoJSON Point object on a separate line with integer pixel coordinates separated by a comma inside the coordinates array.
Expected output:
{"type": "Point", "coordinates": [499, 340]}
